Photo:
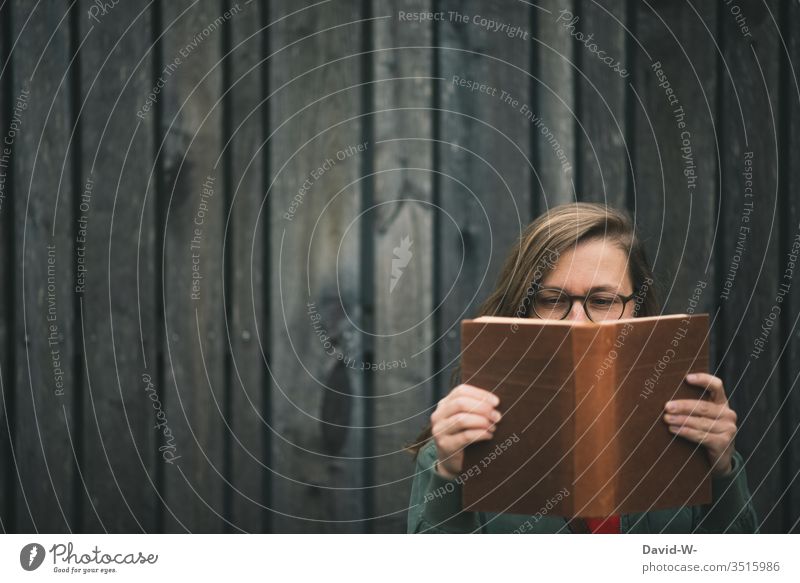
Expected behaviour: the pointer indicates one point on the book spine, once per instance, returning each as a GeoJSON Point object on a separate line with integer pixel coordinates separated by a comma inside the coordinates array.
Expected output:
{"type": "Point", "coordinates": [595, 454]}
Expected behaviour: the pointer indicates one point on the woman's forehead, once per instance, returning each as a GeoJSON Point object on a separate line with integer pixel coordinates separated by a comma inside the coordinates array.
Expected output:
{"type": "Point", "coordinates": [591, 264]}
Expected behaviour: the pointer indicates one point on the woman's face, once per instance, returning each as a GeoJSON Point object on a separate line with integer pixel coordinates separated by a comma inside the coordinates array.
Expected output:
{"type": "Point", "coordinates": [594, 265]}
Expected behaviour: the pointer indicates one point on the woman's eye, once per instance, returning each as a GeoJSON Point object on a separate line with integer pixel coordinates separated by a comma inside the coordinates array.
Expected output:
{"type": "Point", "coordinates": [602, 301]}
{"type": "Point", "coordinates": [552, 300]}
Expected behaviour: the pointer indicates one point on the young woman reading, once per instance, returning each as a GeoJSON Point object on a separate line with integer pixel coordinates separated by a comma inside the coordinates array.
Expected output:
{"type": "Point", "coordinates": [579, 261]}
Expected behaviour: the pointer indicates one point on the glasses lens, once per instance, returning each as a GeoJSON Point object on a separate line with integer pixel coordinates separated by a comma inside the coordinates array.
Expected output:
{"type": "Point", "coordinates": [550, 304]}
{"type": "Point", "coordinates": [604, 306]}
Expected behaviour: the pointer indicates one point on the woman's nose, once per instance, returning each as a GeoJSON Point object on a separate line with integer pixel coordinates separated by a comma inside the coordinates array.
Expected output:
{"type": "Point", "coordinates": [577, 313]}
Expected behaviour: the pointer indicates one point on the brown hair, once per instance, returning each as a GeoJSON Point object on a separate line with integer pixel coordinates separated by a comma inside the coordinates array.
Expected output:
{"type": "Point", "coordinates": [532, 257]}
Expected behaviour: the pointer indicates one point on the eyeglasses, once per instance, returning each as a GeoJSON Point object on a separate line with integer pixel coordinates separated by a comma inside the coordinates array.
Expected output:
{"type": "Point", "coordinates": [555, 304]}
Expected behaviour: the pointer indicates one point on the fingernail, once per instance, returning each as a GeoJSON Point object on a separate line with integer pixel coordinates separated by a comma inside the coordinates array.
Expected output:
{"type": "Point", "coordinates": [669, 418]}
{"type": "Point", "coordinates": [673, 428]}
{"type": "Point", "coordinates": [691, 377]}
{"type": "Point", "coordinates": [670, 406]}
{"type": "Point", "coordinates": [495, 400]}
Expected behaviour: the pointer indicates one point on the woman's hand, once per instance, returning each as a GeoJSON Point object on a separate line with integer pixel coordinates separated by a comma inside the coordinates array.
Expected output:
{"type": "Point", "coordinates": [465, 415]}
{"type": "Point", "coordinates": [710, 423]}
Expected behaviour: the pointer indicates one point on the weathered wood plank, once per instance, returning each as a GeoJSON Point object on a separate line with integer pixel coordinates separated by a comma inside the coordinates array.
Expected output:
{"type": "Point", "coordinates": [750, 215]}
{"type": "Point", "coordinates": [403, 219]}
{"type": "Point", "coordinates": [193, 308]}
{"type": "Point", "coordinates": [45, 429]}
{"type": "Point", "coordinates": [791, 323]}
{"type": "Point", "coordinates": [675, 155]}
{"type": "Point", "coordinates": [553, 128]}
{"type": "Point", "coordinates": [602, 162]}
{"type": "Point", "coordinates": [117, 158]}
{"type": "Point", "coordinates": [314, 156]}
{"type": "Point", "coordinates": [485, 188]}
{"type": "Point", "coordinates": [6, 291]}
{"type": "Point", "coordinates": [246, 294]}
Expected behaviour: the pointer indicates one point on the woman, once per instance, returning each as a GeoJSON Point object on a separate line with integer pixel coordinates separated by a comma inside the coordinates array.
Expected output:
{"type": "Point", "coordinates": [579, 261]}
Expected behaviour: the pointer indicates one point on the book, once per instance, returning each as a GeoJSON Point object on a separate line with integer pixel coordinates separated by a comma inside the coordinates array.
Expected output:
{"type": "Point", "coordinates": [582, 432]}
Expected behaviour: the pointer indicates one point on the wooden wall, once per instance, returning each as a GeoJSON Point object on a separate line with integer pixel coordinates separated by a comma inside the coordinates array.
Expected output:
{"type": "Point", "coordinates": [215, 212]}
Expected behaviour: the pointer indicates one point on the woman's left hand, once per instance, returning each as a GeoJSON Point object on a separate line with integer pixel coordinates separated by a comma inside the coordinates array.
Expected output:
{"type": "Point", "coordinates": [709, 423]}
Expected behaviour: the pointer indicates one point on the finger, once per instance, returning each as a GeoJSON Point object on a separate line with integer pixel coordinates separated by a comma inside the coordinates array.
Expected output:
{"type": "Point", "coordinates": [475, 393]}
{"type": "Point", "coordinates": [463, 439]}
{"type": "Point", "coordinates": [709, 382]}
{"type": "Point", "coordinates": [713, 441]}
{"type": "Point", "coordinates": [714, 412]}
{"type": "Point", "coordinates": [451, 405]}
{"type": "Point", "coordinates": [690, 433]}
{"type": "Point", "coordinates": [461, 422]}
{"type": "Point", "coordinates": [702, 423]}
{"type": "Point", "coordinates": [454, 444]}
{"type": "Point", "coordinates": [695, 407]}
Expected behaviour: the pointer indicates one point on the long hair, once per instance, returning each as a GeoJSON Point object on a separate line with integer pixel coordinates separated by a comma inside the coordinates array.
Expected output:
{"type": "Point", "coordinates": [536, 253]}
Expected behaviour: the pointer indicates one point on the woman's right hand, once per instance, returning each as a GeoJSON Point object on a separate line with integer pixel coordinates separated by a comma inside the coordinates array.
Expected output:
{"type": "Point", "coordinates": [465, 415]}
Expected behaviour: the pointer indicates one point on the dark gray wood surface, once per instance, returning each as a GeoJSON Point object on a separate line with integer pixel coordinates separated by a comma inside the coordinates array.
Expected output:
{"type": "Point", "coordinates": [192, 192]}
{"type": "Point", "coordinates": [116, 324]}
{"type": "Point", "coordinates": [316, 400]}
{"type": "Point", "coordinates": [44, 321]}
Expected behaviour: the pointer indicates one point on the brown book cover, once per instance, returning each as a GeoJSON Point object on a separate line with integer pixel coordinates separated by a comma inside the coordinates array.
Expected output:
{"type": "Point", "coordinates": [582, 432]}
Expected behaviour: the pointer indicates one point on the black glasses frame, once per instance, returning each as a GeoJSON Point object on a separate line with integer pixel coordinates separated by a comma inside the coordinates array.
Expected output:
{"type": "Point", "coordinates": [539, 287]}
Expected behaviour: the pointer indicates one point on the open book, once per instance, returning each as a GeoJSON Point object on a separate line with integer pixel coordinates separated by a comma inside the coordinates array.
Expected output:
{"type": "Point", "coordinates": [582, 432]}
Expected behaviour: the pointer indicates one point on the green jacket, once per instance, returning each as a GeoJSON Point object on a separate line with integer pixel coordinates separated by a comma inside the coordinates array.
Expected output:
{"type": "Point", "coordinates": [436, 508]}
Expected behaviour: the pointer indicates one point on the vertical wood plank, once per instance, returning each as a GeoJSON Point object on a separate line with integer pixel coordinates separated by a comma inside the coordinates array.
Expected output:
{"type": "Point", "coordinates": [116, 160]}
{"type": "Point", "coordinates": [193, 309]}
{"type": "Point", "coordinates": [7, 291]}
{"type": "Point", "coordinates": [790, 378]}
{"type": "Point", "coordinates": [485, 160]}
{"type": "Point", "coordinates": [246, 294]}
{"type": "Point", "coordinates": [675, 174]}
{"type": "Point", "coordinates": [601, 152]}
{"type": "Point", "coordinates": [403, 219]}
{"type": "Point", "coordinates": [317, 382]}
{"type": "Point", "coordinates": [44, 345]}
{"type": "Point", "coordinates": [7, 243]}
{"type": "Point", "coordinates": [554, 126]}
{"type": "Point", "coordinates": [750, 232]}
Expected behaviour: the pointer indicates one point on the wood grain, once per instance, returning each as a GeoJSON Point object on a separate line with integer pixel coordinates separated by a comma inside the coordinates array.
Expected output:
{"type": "Point", "coordinates": [554, 134]}
{"type": "Point", "coordinates": [194, 382]}
{"type": "Point", "coordinates": [245, 297]}
{"type": "Point", "coordinates": [601, 151]}
{"type": "Point", "coordinates": [116, 161]}
{"type": "Point", "coordinates": [403, 238]}
{"type": "Point", "coordinates": [45, 341]}
{"type": "Point", "coordinates": [315, 293]}
{"type": "Point", "coordinates": [749, 108]}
